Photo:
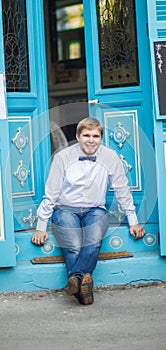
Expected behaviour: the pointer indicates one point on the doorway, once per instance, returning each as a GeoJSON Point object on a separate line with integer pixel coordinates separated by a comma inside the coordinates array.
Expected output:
{"type": "Point", "coordinates": [66, 69]}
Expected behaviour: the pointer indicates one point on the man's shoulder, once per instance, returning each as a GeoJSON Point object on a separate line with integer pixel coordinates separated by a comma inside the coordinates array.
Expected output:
{"type": "Point", "coordinates": [68, 152]}
{"type": "Point", "coordinates": [106, 151]}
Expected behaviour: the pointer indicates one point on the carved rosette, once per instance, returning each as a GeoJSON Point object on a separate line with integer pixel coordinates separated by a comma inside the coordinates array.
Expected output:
{"type": "Point", "coordinates": [20, 140]}
{"type": "Point", "coordinates": [22, 173]}
{"type": "Point", "coordinates": [119, 135]}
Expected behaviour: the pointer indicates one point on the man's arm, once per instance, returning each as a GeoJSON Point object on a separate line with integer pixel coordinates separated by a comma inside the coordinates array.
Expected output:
{"type": "Point", "coordinates": [124, 197]}
{"type": "Point", "coordinates": [52, 189]}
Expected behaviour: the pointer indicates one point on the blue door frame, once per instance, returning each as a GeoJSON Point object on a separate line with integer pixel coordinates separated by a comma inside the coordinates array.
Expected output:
{"type": "Point", "coordinates": [26, 132]}
{"type": "Point", "coordinates": [157, 33]}
{"type": "Point", "coordinates": [7, 246]}
{"type": "Point", "coordinates": [126, 111]}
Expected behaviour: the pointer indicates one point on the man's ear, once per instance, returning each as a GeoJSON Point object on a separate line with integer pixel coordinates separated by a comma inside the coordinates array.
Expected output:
{"type": "Point", "coordinates": [77, 137]}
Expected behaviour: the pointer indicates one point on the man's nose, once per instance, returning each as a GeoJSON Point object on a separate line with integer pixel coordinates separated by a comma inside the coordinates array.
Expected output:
{"type": "Point", "coordinates": [91, 138]}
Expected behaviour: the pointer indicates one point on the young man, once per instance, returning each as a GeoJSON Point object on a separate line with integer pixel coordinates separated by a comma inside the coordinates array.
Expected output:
{"type": "Point", "coordinates": [75, 199]}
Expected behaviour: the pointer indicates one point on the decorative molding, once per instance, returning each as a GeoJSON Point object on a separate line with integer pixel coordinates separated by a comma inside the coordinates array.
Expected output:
{"type": "Point", "coordinates": [22, 173]}
{"type": "Point", "coordinates": [119, 135]}
{"type": "Point", "coordinates": [121, 128]}
{"type": "Point", "coordinates": [30, 218]}
{"type": "Point", "coordinates": [149, 239]}
{"type": "Point", "coordinates": [48, 247]}
{"type": "Point", "coordinates": [17, 249]}
{"type": "Point", "coordinates": [118, 213]}
{"type": "Point", "coordinates": [22, 145]}
{"type": "Point", "coordinates": [127, 166]}
{"type": "Point", "coordinates": [116, 242]}
{"type": "Point", "coordinates": [20, 140]}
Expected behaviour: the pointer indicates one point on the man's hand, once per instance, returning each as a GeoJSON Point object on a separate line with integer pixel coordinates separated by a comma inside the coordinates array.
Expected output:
{"type": "Point", "coordinates": [39, 237]}
{"type": "Point", "coordinates": [137, 231]}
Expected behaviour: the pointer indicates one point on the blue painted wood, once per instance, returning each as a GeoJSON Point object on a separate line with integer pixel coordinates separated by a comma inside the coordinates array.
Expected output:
{"type": "Point", "coordinates": [128, 271]}
{"type": "Point", "coordinates": [28, 117]}
{"type": "Point", "coordinates": [116, 239]}
{"type": "Point", "coordinates": [127, 111]}
{"type": "Point", "coordinates": [157, 31]}
{"type": "Point", "coordinates": [7, 243]}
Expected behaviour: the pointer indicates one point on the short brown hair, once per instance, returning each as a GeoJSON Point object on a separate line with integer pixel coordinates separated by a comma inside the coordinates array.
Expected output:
{"type": "Point", "coordinates": [89, 123]}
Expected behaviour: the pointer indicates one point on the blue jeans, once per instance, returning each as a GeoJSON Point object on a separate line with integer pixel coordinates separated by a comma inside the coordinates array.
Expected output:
{"type": "Point", "coordinates": [79, 232]}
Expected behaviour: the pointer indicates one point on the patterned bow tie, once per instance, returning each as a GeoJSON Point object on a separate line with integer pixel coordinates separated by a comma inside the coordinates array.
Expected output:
{"type": "Point", "coordinates": [92, 158]}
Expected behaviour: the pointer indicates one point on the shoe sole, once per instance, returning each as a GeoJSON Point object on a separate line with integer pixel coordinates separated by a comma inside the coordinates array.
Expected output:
{"type": "Point", "coordinates": [72, 286]}
{"type": "Point", "coordinates": [86, 290]}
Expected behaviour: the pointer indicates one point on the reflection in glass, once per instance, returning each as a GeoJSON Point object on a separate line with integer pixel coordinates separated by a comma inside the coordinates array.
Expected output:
{"type": "Point", "coordinates": [70, 17]}
{"type": "Point", "coordinates": [117, 43]}
{"type": "Point", "coordinates": [66, 25]}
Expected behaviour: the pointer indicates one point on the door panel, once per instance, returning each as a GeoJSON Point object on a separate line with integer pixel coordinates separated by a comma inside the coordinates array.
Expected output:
{"type": "Point", "coordinates": [125, 111]}
{"type": "Point", "coordinates": [7, 243]}
{"type": "Point", "coordinates": [157, 32]}
{"type": "Point", "coordinates": [24, 44]}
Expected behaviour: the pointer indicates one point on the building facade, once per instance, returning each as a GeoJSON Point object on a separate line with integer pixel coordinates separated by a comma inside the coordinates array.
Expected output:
{"type": "Point", "coordinates": [59, 62]}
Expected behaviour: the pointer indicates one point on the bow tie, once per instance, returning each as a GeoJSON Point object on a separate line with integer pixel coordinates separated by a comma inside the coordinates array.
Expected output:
{"type": "Point", "coordinates": [92, 158]}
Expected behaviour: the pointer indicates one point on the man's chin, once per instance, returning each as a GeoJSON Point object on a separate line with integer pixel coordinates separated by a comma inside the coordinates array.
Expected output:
{"type": "Point", "coordinates": [90, 153]}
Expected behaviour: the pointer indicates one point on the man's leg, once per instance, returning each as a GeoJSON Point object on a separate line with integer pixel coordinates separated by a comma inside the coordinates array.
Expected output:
{"type": "Point", "coordinates": [94, 225]}
{"type": "Point", "coordinates": [80, 236]}
{"type": "Point", "coordinates": [68, 233]}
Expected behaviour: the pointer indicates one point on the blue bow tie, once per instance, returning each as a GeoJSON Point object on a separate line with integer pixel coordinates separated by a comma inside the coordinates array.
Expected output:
{"type": "Point", "coordinates": [92, 158]}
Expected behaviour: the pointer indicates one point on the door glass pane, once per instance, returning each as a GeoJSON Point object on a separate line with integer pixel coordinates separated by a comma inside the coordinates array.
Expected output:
{"type": "Point", "coordinates": [16, 45]}
{"type": "Point", "coordinates": [117, 43]}
{"type": "Point", "coordinates": [66, 24]}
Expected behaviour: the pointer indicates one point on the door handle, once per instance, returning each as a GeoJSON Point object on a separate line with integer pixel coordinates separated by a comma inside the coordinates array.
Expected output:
{"type": "Point", "coordinates": [93, 102]}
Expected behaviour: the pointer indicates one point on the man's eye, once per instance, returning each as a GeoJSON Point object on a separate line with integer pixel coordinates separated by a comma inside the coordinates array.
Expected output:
{"type": "Point", "coordinates": [95, 136]}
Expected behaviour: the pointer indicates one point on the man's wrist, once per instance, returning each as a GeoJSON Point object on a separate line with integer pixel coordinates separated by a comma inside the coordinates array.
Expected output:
{"type": "Point", "coordinates": [132, 219]}
{"type": "Point", "coordinates": [41, 225]}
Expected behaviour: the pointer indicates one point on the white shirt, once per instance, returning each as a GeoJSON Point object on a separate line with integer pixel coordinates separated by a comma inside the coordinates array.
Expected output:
{"type": "Point", "coordinates": [83, 184]}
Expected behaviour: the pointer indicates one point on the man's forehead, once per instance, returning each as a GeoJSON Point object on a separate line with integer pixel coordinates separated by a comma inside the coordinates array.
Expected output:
{"type": "Point", "coordinates": [93, 130]}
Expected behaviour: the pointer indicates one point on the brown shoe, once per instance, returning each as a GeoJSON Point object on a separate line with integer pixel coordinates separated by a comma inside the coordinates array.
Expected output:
{"type": "Point", "coordinates": [72, 286]}
{"type": "Point", "coordinates": [86, 290]}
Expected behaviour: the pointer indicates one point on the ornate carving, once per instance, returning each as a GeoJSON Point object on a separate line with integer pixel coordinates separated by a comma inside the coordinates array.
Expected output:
{"type": "Point", "coordinates": [116, 242]}
{"type": "Point", "coordinates": [22, 173]}
{"type": "Point", "coordinates": [48, 247]}
{"type": "Point", "coordinates": [20, 140]}
{"type": "Point", "coordinates": [120, 135]}
{"type": "Point", "coordinates": [127, 166]}
{"type": "Point", "coordinates": [30, 218]}
{"type": "Point", "coordinates": [118, 213]}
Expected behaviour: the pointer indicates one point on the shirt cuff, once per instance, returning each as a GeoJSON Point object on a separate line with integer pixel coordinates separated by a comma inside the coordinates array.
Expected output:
{"type": "Point", "coordinates": [132, 219]}
{"type": "Point", "coordinates": [41, 225]}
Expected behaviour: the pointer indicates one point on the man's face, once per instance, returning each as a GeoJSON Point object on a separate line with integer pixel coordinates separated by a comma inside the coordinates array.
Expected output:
{"type": "Point", "coordinates": [89, 140]}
